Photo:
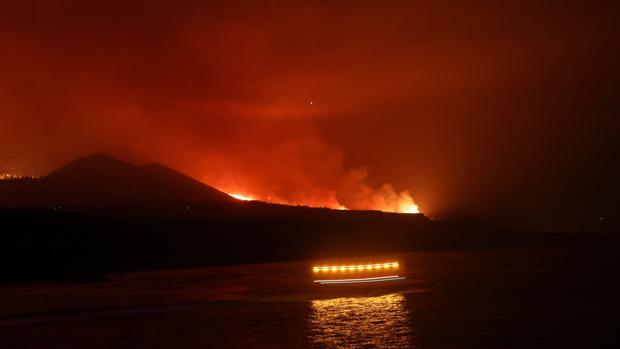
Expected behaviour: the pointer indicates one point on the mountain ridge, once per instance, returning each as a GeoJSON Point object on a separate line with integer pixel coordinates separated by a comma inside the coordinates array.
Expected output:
{"type": "Point", "coordinates": [103, 180]}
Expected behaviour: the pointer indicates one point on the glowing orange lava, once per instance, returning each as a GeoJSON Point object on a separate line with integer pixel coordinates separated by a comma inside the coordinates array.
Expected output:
{"type": "Point", "coordinates": [409, 208]}
{"type": "Point", "coordinates": [242, 197]}
{"type": "Point", "coordinates": [401, 204]}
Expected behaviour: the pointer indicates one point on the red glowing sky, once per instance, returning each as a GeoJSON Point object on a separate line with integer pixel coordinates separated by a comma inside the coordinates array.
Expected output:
{"type": "Point", "coordinates": [487, 110]}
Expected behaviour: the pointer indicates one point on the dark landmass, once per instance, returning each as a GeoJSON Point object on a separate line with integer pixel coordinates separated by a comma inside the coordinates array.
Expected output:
{"type": "Point", "coordinates": [98, 216]}
{"type": "Point", "coordinates": [103, 182]}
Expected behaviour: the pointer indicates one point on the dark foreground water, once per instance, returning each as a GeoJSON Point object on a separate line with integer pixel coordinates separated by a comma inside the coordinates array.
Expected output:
{"type": "Point", "coordinates": [461, 299]}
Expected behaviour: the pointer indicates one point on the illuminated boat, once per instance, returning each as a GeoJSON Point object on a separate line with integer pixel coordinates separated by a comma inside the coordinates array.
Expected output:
{"type": "Point", "coordinates": [339, 274]}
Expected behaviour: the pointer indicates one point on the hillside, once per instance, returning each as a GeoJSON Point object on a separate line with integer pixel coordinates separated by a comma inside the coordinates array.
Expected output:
{"type": "Point", "coordinates": [101, 180]}
{"type": "Point", "coordinates": [98, 215]}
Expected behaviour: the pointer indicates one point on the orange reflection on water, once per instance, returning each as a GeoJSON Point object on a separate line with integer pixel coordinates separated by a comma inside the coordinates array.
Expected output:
{"type": "Point", "coordinates": [361, 322]}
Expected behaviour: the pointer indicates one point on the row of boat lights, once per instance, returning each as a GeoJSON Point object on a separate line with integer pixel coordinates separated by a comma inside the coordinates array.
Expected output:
{"type": "Point", "coordinates": [378, 266]}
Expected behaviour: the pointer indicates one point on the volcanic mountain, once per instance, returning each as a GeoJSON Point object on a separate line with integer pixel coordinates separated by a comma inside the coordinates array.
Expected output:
{"type": "Point", "coordinates": [102, 180]}
{"type": "Point", "coordinates": [99, 215]}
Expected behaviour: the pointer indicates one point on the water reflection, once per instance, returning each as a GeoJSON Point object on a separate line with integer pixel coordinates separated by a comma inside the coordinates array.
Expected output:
{"type": "Point", "coordinates": [361, 322]}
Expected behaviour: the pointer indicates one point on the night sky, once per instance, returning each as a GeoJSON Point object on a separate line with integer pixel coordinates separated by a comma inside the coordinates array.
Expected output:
{"type": "Point", "coordinates": [498, 110]}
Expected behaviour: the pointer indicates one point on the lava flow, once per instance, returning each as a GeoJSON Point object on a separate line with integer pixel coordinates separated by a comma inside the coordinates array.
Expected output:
{"type": "Point", "coordinates": [404, 204]}
{"type": "Point", "coordinates": [242, 197]}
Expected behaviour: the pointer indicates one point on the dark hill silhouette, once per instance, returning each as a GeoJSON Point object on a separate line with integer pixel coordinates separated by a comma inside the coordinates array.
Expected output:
{"type": "Point", "coordinates": [98, 215]}
{"type": "Point", "coordinates": [102, 180]}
